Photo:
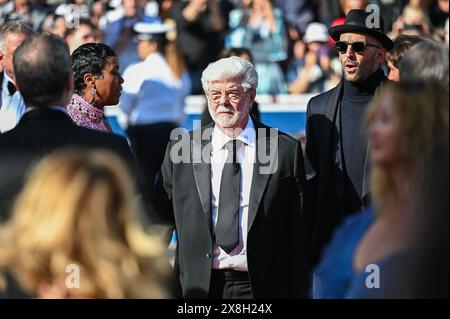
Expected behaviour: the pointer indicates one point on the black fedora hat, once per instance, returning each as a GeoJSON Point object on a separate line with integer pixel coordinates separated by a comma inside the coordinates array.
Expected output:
{"type": "Point", "coordinates": [357, 21]}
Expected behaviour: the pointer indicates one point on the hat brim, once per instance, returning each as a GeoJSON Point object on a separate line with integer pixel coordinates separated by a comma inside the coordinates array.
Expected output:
{"type": "Point", "coordinates": [336, 31]}
{"type": "Point", "coordinates": [151, 28]}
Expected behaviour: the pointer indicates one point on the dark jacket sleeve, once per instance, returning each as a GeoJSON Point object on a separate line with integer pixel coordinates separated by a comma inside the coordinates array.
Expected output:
{"type": "Point", "coordinates": [311, 165]}
{"type": "Point", "coordinates": [300, 232]}
{"type": "Point", "coordinates": [164, 214]}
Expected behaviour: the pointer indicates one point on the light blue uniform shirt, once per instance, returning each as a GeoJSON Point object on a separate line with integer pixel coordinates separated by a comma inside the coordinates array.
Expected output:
{"type": "Point", "coordinates": [152, 94]}
{"type": "Point", "coordinates": [12, 107]}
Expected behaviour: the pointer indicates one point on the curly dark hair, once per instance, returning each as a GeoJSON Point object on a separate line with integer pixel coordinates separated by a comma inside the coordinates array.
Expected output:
{"type": "Point", "coordinates": [89, 58]}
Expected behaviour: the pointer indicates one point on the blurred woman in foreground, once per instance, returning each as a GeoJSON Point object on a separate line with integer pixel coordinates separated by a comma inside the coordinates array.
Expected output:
{"type": "Point", "coordinates": [76, 233]}
{"type": "Point", "coordinates": [377, 248]}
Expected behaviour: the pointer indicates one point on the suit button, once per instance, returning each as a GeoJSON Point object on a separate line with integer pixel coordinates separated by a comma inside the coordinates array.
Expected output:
{"type": "Point", "coordinates": [208, 255]}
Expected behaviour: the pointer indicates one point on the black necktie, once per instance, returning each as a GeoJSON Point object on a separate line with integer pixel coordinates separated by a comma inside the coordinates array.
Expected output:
{"type": "Point", "coordinates": [227, 228]}
{"type": "Point", "coordinates": [11, 88]}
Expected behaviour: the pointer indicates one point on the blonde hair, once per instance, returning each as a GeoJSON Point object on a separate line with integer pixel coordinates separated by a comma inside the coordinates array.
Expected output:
{"type": "Point", "coordinates": [79, 207]}
{"type": "Point", "coordinates": [422, 113]}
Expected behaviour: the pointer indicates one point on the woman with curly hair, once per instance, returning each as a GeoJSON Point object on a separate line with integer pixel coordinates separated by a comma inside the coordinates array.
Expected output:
{"type": "Point", "coordinates": [97, 83]}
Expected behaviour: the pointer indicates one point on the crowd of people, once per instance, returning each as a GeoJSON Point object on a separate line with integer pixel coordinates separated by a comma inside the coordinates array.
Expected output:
{"type": "Point", "coordinates": [286, 38]}
{"type": "Point", "coordinates": [255, 215]}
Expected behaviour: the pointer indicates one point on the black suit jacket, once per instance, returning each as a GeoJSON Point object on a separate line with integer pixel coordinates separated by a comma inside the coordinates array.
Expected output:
{"type": "Point", "coordinates": [39, 132]}
{"type": "Point", "coordinates": [323, 194]}
{"type": "Point", "coordinates": [278, 242]}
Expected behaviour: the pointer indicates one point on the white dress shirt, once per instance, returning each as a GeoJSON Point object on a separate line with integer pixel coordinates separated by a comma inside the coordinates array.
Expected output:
{"type": "Point", "coordinates": [152, 94]}
{"type": "Point", "coordinates": [12, 108]}
{"type": "Point", "coordinates": [237, 258]}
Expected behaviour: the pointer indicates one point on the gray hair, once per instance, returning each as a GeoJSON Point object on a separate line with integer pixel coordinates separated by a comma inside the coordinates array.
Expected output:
{"type": "Point", "coordinates": [426, 61]}
{"type": "Point", "coordinates": [41, 66]}
{"type": "Point", "coordinates": [13, 26]}
{"type": "Point", "coordinates": [231, 68]}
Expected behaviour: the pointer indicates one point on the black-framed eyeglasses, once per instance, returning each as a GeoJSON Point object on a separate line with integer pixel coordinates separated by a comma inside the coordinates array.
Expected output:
{"type": "Point", "coordinates": [358, 46]}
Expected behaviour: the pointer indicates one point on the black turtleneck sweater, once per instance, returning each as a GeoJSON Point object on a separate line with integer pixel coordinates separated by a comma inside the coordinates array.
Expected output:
{"type": "Point", "coordinates": [354, 102]}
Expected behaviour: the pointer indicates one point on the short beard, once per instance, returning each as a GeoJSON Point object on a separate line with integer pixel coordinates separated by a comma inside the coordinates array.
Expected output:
{"type": "Point", "coordinates": [226, 121]}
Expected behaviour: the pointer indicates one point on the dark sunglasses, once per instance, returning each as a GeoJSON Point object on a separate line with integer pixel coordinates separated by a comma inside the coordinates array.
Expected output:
{"type": "Point", "coordinates": [358, 47]}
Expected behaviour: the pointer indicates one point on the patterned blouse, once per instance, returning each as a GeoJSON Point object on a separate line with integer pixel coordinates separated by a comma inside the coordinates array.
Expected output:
{"type": "Point", "coordinates": [86, 115]}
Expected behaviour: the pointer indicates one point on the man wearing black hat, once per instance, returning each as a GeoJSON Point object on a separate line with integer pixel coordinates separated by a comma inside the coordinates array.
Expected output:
{"type": "Point", "coordinates": [337, 161]}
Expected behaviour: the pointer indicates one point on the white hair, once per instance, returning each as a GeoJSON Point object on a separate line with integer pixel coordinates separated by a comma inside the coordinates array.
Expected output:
{"type": "Point", "coordinates": [231, 68]}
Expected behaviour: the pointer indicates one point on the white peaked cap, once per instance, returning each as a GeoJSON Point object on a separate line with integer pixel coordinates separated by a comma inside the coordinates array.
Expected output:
{"type": "Point", "coordinates": [151, 28]}
{"type": "Point", "coordinates": [316, 32]}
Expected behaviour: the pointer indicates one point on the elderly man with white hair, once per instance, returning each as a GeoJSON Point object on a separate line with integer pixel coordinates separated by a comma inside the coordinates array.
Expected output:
{"type": "Point", "coordinates": [232, 192]}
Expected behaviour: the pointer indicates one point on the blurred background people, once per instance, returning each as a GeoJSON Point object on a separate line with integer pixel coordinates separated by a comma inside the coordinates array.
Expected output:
{"type": "Point", "coordinates": [310, 71]}
{"type": "Point", "coordinates": [328, 11]}
{"type": "Point", "coordinates": [97, 83]}
{"type": "Point", "coordinates": [346, 6]}
{"type": "Point", "coordinates": [404, 122]}
{"type": "Point", "coordinates": [297, 15]}
{"type": "Point", "coordinates": [55, 24]}
{"type": "Point", "coordinates": [27, 11]}
{"type": "Point", "coordinates": [413, 21]}
{"type": "Point", "coordinates": [79, 209]}
{"type": "Point", "coordinates": [438, 16]}
{"type": "Point", "coordinates": [118, 32]}
{"type": "Point", "coordinates": [79, 35]}
{"type": "Point", "coordinates": [153, 96]}
{"type": "Point", "coordinates": [401, 45]}
{"type": "Point", "coordinates": [12, 106]}
{"type": "Point", "coordinates": [260, 28]}
{"type": "Point", "coordinates": [201, 27]}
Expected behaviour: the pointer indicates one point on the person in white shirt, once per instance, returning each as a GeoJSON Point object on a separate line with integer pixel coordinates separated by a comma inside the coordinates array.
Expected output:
{"type": "Point", "coordinates": [12, 107]}
{"type": "Point", "coordinates": [232, 191]}
{"type": "Point", "coordinates": [153, 95]}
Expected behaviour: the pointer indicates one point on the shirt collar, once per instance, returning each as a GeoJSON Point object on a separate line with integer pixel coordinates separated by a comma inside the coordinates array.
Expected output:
{"type": "Point", "coordinates": [7, 78]}
{"type": "Point", "coordinates": [248, 136]}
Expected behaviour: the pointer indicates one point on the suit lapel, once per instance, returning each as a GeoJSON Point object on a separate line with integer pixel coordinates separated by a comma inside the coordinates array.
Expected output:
{"type": "Point", "coordinates": [201, 164]}
{"type": "Point", "coordinates": [332, 106]}
{"type": "Point", "coordinates": [259, 179]}
{"type": "Point", "coordinates": [327, 131]}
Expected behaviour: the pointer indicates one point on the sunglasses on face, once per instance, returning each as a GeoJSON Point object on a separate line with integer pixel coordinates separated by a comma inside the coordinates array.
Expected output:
{"type": "Point", "coordinates": [358, 46]}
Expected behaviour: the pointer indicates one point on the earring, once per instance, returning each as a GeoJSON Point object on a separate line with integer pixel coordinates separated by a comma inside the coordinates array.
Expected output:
{"type": "Point", "coordinates": [94, 92]}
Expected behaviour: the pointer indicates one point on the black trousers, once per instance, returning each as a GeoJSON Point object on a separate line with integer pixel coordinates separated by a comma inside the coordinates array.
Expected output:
{"type": "Point", "coordinates": [149, 143]}
{"type": "Point", "coordinates": [230, 284]}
